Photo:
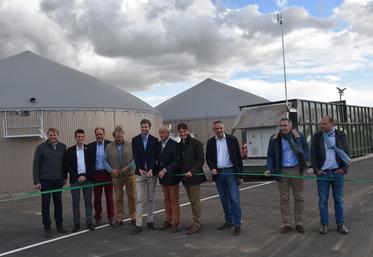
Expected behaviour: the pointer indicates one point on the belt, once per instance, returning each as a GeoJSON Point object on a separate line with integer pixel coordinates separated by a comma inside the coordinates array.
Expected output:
{"type": "Point", "coordinates": [332, 170]}
{"type": "Point", "coordinates": [289, 167]}
{"type": "Point", "coordinates": [225, 168]}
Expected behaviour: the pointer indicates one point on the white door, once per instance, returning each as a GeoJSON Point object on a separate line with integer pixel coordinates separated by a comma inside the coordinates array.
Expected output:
{"type": "Point", "coordinates": [266, 134]}
{"type": "Point", "coordinates": [254, 143]}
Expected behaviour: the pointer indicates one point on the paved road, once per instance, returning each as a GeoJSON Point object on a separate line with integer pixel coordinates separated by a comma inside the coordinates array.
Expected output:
{"type": "Point", "coordinates": [261, 235]}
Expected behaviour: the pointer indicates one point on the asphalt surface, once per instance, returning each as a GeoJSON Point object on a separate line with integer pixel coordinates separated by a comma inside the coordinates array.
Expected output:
{"type": "Point", "coordinates": [21, 232]}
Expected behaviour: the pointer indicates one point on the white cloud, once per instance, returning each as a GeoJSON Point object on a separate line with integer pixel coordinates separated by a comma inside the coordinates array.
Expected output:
{"type": "Point", "coordinates": [139, 44]}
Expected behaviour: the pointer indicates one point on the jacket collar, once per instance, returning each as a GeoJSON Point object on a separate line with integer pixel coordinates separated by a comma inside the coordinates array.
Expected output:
{"type": "Point", "coordinates": [293, 131]}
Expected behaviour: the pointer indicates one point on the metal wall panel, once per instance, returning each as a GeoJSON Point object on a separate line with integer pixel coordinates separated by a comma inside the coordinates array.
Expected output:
{"type": "Point", "coordinates": [16, 154]}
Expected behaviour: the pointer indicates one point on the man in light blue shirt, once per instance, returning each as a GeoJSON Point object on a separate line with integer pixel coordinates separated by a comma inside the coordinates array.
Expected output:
{"type": "Point", "coordinates": [287, 155]}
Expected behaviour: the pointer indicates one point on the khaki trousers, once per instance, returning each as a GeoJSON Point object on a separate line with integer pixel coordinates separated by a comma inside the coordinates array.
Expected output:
{"type": "Point", "coordinates": [297, 188]}
{"type": "Point", "coordinates": [171, 203]}
{"type": "Point", "coordinates": [194, 195]}
{"type": "Point", "coordinates": [130, 183]}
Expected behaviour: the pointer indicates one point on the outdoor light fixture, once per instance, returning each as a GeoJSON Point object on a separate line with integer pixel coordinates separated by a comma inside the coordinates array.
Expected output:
{"type": "Point", "coordinates": [341, 92]}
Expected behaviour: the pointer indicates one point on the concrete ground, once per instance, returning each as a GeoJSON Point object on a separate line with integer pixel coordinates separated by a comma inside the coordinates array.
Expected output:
{"type": "Point", "coordinates": [21, 232]}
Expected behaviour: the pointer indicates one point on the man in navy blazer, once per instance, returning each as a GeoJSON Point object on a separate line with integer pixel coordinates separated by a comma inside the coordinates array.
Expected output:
{"type": "Point", "coordinates": [168, 168]}
{"type": "Point", "coordinates": [96, 151]}
{"type": "Point", "coordinates": [144, 149]}
{"type": "Point", "coordinates": [223, 156]}
{"type": "Point", "coordinates": [77, 166]}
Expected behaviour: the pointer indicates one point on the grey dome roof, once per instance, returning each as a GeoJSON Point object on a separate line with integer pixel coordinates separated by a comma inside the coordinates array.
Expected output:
{"type": "Point", "coordinates": [55, 86]}
{"type": "Point", "coordinates": [207, 99]}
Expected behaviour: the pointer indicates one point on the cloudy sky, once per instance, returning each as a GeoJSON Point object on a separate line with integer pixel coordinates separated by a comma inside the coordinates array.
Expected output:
{"type": "Point", "coordinates": [158, 48]}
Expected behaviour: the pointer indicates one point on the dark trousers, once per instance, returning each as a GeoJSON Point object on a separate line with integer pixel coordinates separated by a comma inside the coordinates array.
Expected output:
{"type": "Point", "coordinates": [87, 195]}
{"type": "Point", "coordinates": [103, 176]}
{"type": "Point", "coordinates": [50, 184]}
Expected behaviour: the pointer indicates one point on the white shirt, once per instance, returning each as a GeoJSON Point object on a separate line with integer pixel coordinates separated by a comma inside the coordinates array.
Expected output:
{"type": "Point", "coordinates": [224, 160]}
{"type": "Point", "coordinates": [80, 159]}
{"type": "Point", "coordinates": [164, 143]}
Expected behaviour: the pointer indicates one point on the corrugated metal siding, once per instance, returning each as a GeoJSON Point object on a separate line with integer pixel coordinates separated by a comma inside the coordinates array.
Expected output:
{"type": "Point", "coordinates": [16, 154]}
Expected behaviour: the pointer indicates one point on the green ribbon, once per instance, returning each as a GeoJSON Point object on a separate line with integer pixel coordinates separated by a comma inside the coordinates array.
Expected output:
{"type": "Point", "coordinates": [365, 181]}
{"type": "Point", "coordinates": [38, 193]}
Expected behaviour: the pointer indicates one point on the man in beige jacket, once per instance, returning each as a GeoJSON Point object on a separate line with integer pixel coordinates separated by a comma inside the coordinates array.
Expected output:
{"type": "Point", "coordinates": [119, 162]}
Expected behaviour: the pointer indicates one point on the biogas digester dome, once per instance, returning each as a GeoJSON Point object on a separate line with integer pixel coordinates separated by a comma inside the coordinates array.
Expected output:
{"type": "Point", "coordinates": [37, 93]}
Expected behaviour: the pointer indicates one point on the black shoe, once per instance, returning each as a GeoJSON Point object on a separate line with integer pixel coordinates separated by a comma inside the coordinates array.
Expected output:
{"type": "Point", "coordinates": [286, 229]}
{"type": "Point", "coordinates": [62, 230]}
{"type": "Point", "coordinates": [91, 227]}
{"type": "Point", "coordinates": [342, 229]}
{"type": "Point", "coordinates": [299, 228]}
{"type": "Point", "coordinates": [236, 231]}
{"type": "Point", "coordinates": [137, 230]}
{"type": "Point", "coordinates": [166, 225]}
{"type": "Point", "coordinates": [176, 228]}
{"type": "Point", "coordinates": [324, 229]}
{"type": "Point", "coordinates": [225, 226]}
{"type": "Point", "coordinates": [76, 228]}
{"type": "Point", "coordinates": [151, 225]}
{"type": "Point", "coordinates": [47, 232]}
{"type": "Point", "coordinates": [98, 223]}
{"type": "Point", "coordinates": [117, 224]}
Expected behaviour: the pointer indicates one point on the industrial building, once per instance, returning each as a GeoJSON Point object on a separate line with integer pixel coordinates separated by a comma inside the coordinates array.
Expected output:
{"type": "Point", "coordinates": [37, 93]}
{"type": "Point", "coordinates": [204, 103]}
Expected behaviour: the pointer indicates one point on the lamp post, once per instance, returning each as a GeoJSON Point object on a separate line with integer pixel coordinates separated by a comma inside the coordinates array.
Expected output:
{"type": "Point", "coordinates": [279, 20]}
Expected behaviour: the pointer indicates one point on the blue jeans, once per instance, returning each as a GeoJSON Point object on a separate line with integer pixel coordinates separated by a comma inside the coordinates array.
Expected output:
{"type": "Point", "coordinates": [87, 196]}
{"type": "Point", "coordinates": [229, 194]}
{"type": "Point", "coordinates": [50, 184]}
{"type": "Point", "coordinates": [323, 187]}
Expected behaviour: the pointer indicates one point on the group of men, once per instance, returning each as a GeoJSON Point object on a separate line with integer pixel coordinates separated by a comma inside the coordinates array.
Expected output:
{"type": "Point", "coordinates": [135, 166]}
{"type": "Point", "coordinates": [287, 158]}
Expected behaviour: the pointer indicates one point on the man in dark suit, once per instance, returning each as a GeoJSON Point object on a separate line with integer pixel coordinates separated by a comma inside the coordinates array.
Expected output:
{"type": "Point", "coordinates": [192, 160]}
{"type": "Point", "coordinates": [168, 163]}
{"type": "Point", "coordinates": [77, 165]}
{"type": "Point", "coordinates": [144, 149]}
{"type": "Point", "coordinates": [330, 160]}
{"type": "Point", "coordinates": [223, 157]}
{"type": "Point", "coordinates": [96, 151]}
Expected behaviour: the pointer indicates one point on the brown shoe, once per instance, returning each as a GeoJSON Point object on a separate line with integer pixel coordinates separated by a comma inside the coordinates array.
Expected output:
{"type": "Point", "coordinates": [299, 228]}
{"type": "Point", "coordinates": [166, 225]}
{"type": "Point", "coordinates": [176, 228]}
{"type": "Point", "coordinates": [286, 229]}
{"type": "Point", "coordinates": [117, 224]}
{"type": "Point", "coordinates": [189, 227]}
{"type": "Point", "coordinates": [133, 222]}
{"type": "Point", "coordinates": [225, 226]}
{"type": "Point", "coordinates": [192, 230]}
{"type": "Point", "coordinates": [236, 231]}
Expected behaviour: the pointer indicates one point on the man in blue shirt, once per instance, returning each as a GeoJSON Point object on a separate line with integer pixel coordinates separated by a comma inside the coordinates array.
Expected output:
{"type": "Point", "coordinates": [287, 155]}
{"type": "Point", "coordinates": [96, 151]}
{"type": "Point", "coordinates": [330, 160]}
